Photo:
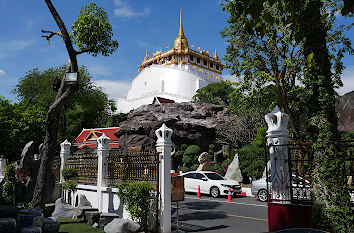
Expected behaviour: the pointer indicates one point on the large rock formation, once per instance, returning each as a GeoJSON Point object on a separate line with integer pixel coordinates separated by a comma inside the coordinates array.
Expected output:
{"type": "Point", "coordinates": [192, 123]}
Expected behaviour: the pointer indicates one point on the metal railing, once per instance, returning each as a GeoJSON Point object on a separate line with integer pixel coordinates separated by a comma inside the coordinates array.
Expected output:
{"type": "Point", "coordinates": [86, 166]}
{"type": "Point", "coordinates": [121, 168]}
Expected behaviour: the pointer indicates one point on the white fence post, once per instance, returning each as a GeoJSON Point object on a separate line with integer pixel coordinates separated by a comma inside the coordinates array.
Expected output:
{"type": "Point", "coordinates": [102, 153]}
{"type": "Point", "coordinates": [277, 140]}
{"type": "Point", "coordinates": [64, 152]}
{"type": "Point", "coordinates": [163, 145]}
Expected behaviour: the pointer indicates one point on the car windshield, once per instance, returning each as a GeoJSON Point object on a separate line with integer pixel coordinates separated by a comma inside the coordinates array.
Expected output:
{"type": "Point", "coordinates": [214, 176]}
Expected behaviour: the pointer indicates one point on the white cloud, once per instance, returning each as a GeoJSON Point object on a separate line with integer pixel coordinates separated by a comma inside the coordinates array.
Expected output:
{"type": "Point", "coordinates": [348, 81]}
{"type": "Point", "coordinates": [114, 89]}
{"type": "Point", "coordinates": [10, 47]}
{"type": "Point", "coordinates": [2, 72]}
{"type": "Point", "coordinates": [99, 70]}
{"type": "Point", "coordinates": [124, 11]}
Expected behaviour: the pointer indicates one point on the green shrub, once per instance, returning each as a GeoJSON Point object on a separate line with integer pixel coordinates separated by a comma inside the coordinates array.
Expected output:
{"type": "Point", "coordinates": [251, 156]}
{"type": "Point", "coordinates": [194, 167]}
{"type": "Point", "coordinates": [185, 169]}
{"type": "Point", "coordinates": [186, 159]}
{"type": "Point", "coordinates": [137, 197]}
{"type": "Point", "coordinates": [7, 191]}
{"type": "Point", "coordinates": [227, 162]}
{"type": "Point", "coordinates": [69, 173]}
{"type": "Point", "coordinates": [69, 185]}
{"type": "Point", "coordinates": [192, 150]}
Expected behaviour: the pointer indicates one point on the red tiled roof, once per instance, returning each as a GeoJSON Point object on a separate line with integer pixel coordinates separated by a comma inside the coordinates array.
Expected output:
{"type": "Point", "coordinates": [83, 140]}
{"type": "Point", "coordinates": [163, 100]}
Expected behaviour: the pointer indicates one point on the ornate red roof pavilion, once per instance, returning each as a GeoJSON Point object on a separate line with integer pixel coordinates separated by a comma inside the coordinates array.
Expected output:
{"type": "Point", "coordinates": [88, 137]}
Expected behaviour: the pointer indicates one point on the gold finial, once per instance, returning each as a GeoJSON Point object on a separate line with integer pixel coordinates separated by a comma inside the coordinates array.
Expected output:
{"type": "Point", "coordinates": [146, 56]}
{"type": "Point", "coordinates": [216, 56]}
{"type": "Point", "coordinates": [181, 42]}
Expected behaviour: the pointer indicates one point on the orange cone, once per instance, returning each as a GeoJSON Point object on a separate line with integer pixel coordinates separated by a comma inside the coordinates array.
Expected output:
{"type": "Point", "coordinates": [229, 198]}
{"type": "Point", "coordinates": [198, 194]}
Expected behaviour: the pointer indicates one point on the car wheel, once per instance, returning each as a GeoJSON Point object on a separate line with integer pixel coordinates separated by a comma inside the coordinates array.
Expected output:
{"type": "Point", "coordinates": [262, 195]}
{"type": "Point", "coordinates": [214, 192]}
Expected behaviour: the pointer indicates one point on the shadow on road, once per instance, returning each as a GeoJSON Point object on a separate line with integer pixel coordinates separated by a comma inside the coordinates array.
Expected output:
{"type": "Point", "coordinates": [210, 215]}
{"type": "Point", "coordinates": [186, 227]}
{"type": "Point", "coordinates": [201, 205]}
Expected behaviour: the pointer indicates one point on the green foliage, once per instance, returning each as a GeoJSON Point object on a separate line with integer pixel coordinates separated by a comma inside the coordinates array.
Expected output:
{"type": "Point", "coordinates": [194, 167]}
{"type": "Point", "coordinates": [69, 173]}
{"type": "Point", "coordinates": [251, 156]}
{"type": "Point", "coordinates": [116, 119]}
{"type": "Point", "coordinates": [69, 185]}
{"type": "Point", "coordinates": [19, 124]}
{"type": "Point", "coordinates": [192, 150]}
{"type": "Point", "coordinates": [218, 169]}
{"type": "Point", "coordinates": [85, 110]}
{"type": "Point", "coordinates": [185, 169]}
{"type": "Point", "coordinates": [7, 189]}
{"type": "Point", "coordinates": [92, 31]}
{"type": "Point", "coordinates": [190, 156]}
{"type": "Point", "coordinates": [137, 197]}
{"type": "Point", "coordinates": [215, 93]}
{"type": "Point", "coordinates": [187, 159]}
{"type": "Point", "coordinates": [226, 162]}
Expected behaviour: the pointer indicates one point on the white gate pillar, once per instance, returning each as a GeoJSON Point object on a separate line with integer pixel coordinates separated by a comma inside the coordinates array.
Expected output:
{"type": "Point", "coordinates": [163, 145]}
{"type": "Point", "coordinates": [64, 153]}
{"type": "Point", "coordinates": [102, 153]}
{"type": "Point", "coordinates": [277, 140]}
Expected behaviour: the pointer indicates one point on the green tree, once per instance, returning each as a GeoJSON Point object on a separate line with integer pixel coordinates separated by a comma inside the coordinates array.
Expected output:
{"type": "Point", "coordinates": [264, 50]}
{"type": "Point", "coordinates": [312, 24]}
{"type": "Point", "coordinates": [85, 110]}
{"type": "Point", "coordinates": [92, 33]}
{"type": "Point", "coordinates": [19, 124]}
{"type": "Point", "coordinates": [215, 93]}
{"type": "Point", "coordinates": [251, 156]}
{"type": "Point", "coordinates": [190, 157]}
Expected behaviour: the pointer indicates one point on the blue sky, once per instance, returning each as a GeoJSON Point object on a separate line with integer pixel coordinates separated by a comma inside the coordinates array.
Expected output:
{"type": "Point", "coordinates": [137, 25]}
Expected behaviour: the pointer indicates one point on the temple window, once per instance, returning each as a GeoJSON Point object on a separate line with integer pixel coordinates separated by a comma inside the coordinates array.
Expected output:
{"type": "Point", "coordinates": [198, 60]}
{"type": "Point", "coordinates": [205, 63]}
{"type": "Point", "coordinates": [211, 65]}
{"type": "Point", "coordinates": [170, 58]}
{"type": "Point", "coordinates": [190, 58]}
{"type": "Point", "coordinates": [217, 67]}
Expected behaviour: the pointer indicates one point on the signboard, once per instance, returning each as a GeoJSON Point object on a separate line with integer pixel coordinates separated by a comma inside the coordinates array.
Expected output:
{"type": "Point", "coordinates": [177, 183]}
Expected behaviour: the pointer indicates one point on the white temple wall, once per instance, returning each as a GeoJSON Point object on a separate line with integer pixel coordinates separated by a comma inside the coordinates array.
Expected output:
{"type": "Point", "coordinates": [175, 82]}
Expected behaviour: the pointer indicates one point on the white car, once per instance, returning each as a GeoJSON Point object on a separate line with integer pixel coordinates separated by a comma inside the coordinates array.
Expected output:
{"type": "Point", "coordinates": [210, 183]}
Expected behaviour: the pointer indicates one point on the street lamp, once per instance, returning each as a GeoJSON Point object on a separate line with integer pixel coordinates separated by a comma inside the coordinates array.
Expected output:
{"type": "Point", "coordinates": [71, 78]}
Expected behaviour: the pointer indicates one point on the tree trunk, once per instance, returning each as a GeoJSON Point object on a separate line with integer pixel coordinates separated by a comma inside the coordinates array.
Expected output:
{"type": "Point", "coordinates": [42, 191]}
{"type": "Point", "coordinates": [331, 196]}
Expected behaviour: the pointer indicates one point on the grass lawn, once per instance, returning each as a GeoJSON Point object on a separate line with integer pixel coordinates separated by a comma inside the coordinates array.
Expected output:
{"type": "Point", "coordinates": [67, 225]}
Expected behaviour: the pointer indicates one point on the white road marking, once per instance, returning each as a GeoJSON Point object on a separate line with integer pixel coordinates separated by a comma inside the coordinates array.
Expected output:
{"type": "Point", "coordinates": [239, 203]}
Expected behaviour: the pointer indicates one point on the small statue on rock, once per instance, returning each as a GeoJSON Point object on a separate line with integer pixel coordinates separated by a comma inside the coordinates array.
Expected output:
{"type": "Point", "coordinates": [204, 162]}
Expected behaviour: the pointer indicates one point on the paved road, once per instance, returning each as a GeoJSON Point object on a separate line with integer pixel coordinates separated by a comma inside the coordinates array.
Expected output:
{"type": "Point", "coordinates": [209, 215]}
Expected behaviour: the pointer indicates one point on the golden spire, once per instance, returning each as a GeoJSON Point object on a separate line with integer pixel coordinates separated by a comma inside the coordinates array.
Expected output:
{"type": "Point", "coordinates": [146, 56]}
{"type": "Point", "coordinates": [216, 56]}
{"type": "Point", "coordinates": [181, 42]}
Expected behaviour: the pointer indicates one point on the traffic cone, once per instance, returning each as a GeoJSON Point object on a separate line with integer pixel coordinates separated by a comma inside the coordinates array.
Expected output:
{"type": "Point", "coordinates": [198, 194]}
{"type": "Point", "coordinates": [229, 198]}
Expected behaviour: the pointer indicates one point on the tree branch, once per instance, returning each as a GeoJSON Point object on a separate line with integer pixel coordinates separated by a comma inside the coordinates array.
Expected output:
{"type": "Point", "coordinates": [51, 34]}
{"type": "Point", "coordinates": [65, 36]}
{"type": "Point", "coordinates": [84, 51]}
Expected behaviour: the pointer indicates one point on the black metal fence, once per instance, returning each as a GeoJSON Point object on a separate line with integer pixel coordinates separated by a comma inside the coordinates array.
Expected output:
{"type": "Point", "coordinates": [86, 166]}
{"type": "Point", "coordinates": [122, 167]}
{"type": "Point", "coordinates": [300, 160]}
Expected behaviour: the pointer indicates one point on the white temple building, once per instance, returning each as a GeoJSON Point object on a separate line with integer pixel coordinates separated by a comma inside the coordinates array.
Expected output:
{"type": "Point", "coordinates": [172, 76]}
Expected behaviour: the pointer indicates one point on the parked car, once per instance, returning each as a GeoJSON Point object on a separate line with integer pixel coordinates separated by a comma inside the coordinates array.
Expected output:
{"type": "Point", "coordinates": [300, 190]}
{"type": "Point", "coordinates": [210, 183]}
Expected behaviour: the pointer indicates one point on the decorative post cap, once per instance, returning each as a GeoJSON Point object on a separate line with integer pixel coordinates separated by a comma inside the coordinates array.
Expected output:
{"type": "Point", "coordinates": [163, 135]}
{"type": "Point", "coordinates": [103, 142]}
{"type": "Point", "coordinates": [277, 123]}
{"type": "Point", "coordinates": [65, 146]}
